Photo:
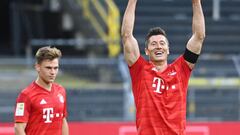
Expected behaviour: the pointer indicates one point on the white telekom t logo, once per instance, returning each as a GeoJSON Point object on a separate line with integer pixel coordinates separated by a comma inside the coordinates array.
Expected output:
{"type": "Point", "coordinates": [47, 115]}
{"type": "Point", "coordinates": [157, 84]}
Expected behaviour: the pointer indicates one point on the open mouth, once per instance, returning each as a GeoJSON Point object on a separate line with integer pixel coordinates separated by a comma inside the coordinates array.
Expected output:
{"type": "Point", "coordinates": [159, 53]}
{"type": "Point", "coordinates": [51, 77]}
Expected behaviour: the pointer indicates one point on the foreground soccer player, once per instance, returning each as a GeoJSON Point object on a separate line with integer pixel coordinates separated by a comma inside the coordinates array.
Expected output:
{"type": "Point", "coordinates": [41, 107]}
{"type": "Point", "coordinates": [159, 88]}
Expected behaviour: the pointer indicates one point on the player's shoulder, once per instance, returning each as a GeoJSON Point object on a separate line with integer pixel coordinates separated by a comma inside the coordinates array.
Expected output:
{"type": "Point", "coordinates": [177, 61]}
{"type": "Point", "coordinates": [58, 86]}
{"type": "Point", "coordinates": [141, 61]}
{"type": "Point", "coordinates": [180, 64]}
{"type": "Point", "coordinates": [29, 88]}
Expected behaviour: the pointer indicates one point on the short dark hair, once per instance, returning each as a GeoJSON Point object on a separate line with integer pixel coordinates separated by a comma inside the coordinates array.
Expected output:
{"type": "Point", "coordinates": [154, 31]}
{"type": "Point", "coordinates": [47, 53]}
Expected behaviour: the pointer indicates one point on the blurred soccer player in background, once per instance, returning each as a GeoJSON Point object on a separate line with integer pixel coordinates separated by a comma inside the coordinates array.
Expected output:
{"type": "Point", "coordinates": [41, 107]}
{"type": "Point", "coordinates": [159, 88]}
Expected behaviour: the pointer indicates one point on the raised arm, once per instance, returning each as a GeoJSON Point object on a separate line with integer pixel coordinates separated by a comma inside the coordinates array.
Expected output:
{"type": "Point", "coordinates": [130, 45]}
{"type": "Point", "coordinates": [198, 29]}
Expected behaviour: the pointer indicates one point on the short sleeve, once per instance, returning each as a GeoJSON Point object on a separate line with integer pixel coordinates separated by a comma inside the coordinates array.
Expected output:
{"type": "Point", "coordinates": [22, 108]}
{"type": "Point", "coordinates": [183, 69]}
{"type": "Point", "coordinates": [183, 66]}
{"type": "Point", "coordinates": [65, 104]}
{"type": "Point", "coordinates": [137, 67]}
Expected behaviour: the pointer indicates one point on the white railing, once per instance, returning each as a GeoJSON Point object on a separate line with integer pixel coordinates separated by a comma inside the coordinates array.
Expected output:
{"type": "Point", "coordinates": [236, 61]}
{"type": "Point", "coordinates": [216, 10]}
{"type": "Point", "coordinates": [128, 101]}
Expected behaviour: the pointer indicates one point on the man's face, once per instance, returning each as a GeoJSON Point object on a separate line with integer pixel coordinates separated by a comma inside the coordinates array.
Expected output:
{"type": "Point", "coordinates": [47, 70]}
{"type": "Point", "coordinates": [157, 48]}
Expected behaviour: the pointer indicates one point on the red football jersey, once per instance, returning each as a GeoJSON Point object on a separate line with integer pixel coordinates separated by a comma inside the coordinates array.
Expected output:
{"type": "Point", "coordinates": [42, 110]}
{"type": "Point", "coordinates": [160, 97]}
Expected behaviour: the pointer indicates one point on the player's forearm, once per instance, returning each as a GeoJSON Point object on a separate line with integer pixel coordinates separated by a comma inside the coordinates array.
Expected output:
{"type": "Point", "coordinates": [198, 22]}
{"type": "Point", "coordinates": [19, 130]}
{"type": "Point", "coordinates": [128, 19]}
{"type": "Point", "coordinates": [65, 130]}
{"type": "Point", "coordinates": [20, 133]}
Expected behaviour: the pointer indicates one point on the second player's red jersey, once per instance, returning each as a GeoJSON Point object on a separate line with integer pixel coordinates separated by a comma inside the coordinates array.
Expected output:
{"type": "Point", "coordinates": [160, 97]}
{"type": "Point", "coordinates": [42, 110]}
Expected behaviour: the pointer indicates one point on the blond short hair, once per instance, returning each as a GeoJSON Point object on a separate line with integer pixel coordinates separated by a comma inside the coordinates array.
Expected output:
{"type": "Point", "coordinates": [47, 53]}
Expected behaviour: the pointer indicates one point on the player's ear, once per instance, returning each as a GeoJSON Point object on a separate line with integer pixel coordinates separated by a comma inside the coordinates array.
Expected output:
{"type": "Point", "coordinates": [168, 50]}
{"type": "Point", "coordinates": [146, 51]}
{"type": "Point", "coordinates": [37, 67]}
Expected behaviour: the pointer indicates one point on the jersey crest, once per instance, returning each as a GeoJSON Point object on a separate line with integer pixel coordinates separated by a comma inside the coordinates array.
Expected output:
{"type": "Point", "coordinates": [61, 99]}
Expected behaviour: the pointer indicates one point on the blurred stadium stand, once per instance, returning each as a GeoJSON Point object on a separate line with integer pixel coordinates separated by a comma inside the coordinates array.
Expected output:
{"type": "Point", "coordinates": [217, 105]}
{"type": "Point", "coordinates": [175, 17]}
{"type": "Point", "coordinates": [95, 105]}
{"type": "Point", "coordinates": [98, 86]}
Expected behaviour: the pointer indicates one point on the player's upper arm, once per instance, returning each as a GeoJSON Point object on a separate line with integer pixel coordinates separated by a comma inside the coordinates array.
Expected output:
{"type": "Point", "coordinates": [130, 49]}
{"type": "Point", "coordinates": [195, 46]}
{"type": "Point", "coordinates": [19, 128]}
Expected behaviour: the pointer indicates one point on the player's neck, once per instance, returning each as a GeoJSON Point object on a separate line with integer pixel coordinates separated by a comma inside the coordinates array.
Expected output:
{"type": "Point", "coordinates": [44, 84]}
{"type": "Point", "coordinates": [160, 65]}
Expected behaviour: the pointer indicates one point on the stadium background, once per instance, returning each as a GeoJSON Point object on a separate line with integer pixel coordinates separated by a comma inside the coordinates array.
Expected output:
{"type": "Point", "coordinates": [93, 70]}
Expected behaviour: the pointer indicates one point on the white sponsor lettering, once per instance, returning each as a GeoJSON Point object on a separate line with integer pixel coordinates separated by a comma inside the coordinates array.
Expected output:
{"type": "Point", "coordinates": [48, 115]}
{"type": "Point", "coordinates": [156, 84]}
{"type": "Point", "coordinates": [159, 85]}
